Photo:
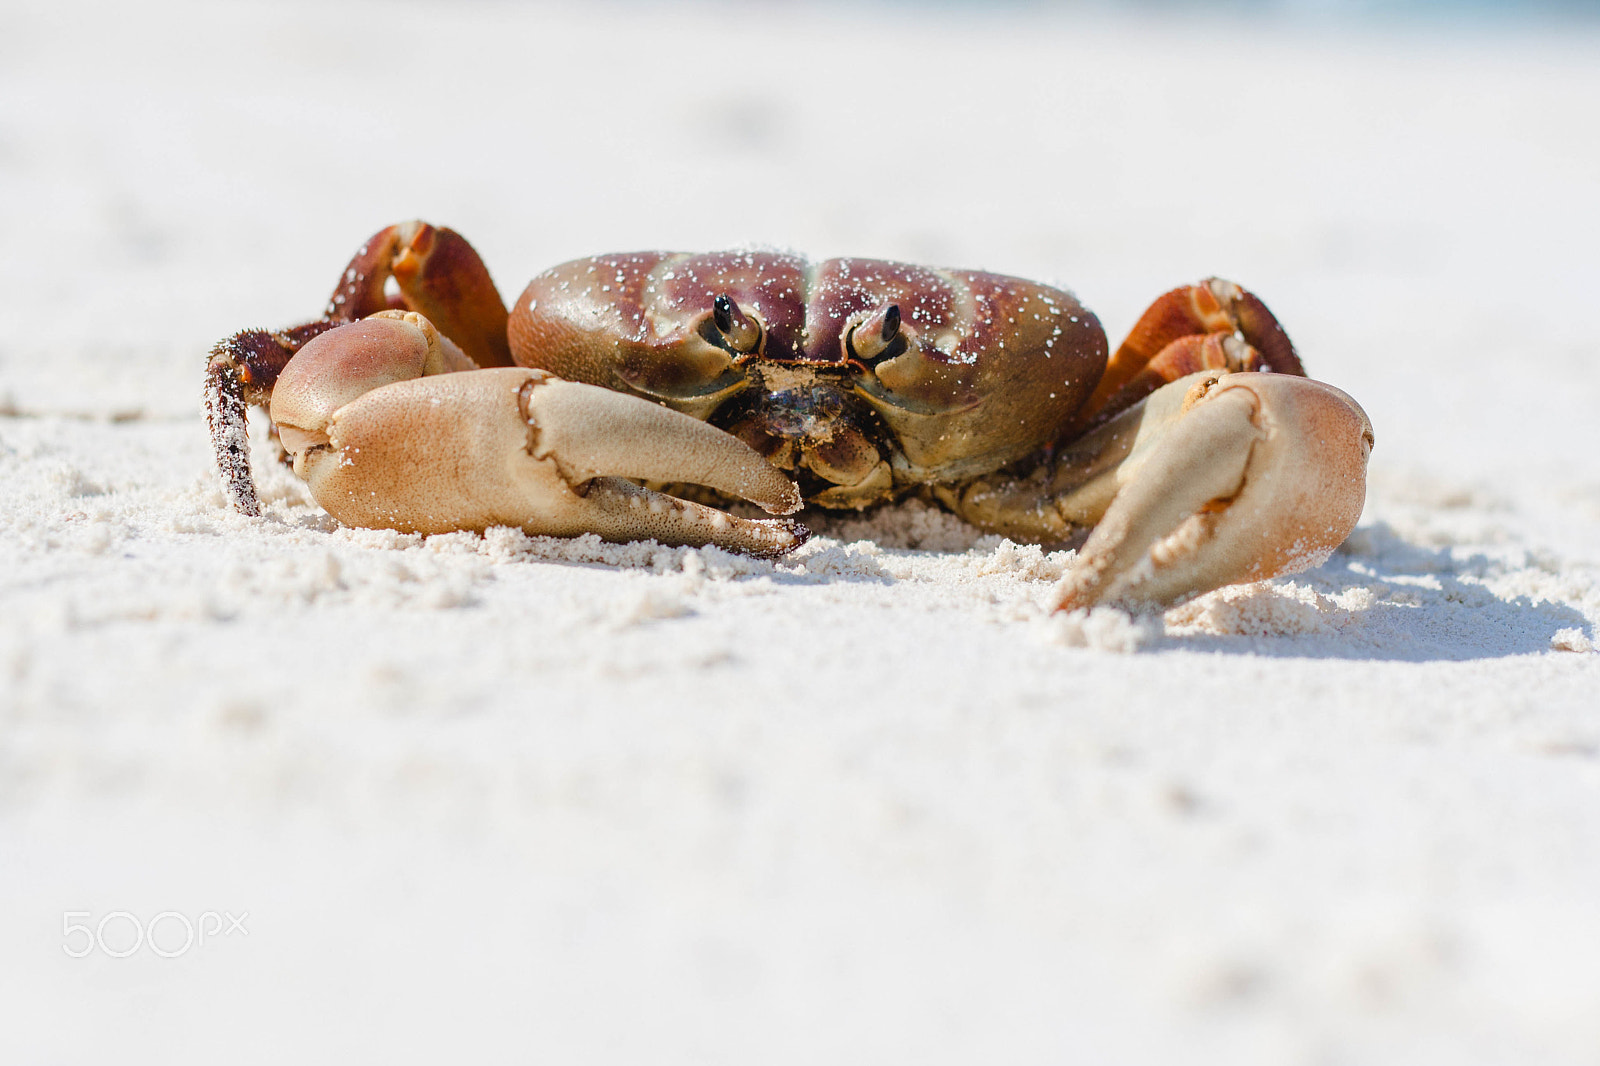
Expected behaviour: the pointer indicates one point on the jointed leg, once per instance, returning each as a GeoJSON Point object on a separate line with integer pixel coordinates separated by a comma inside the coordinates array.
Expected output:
{"type": "Point", "coordinates": [1215, 325]}
{"type": "Point", "coordinates": [241, 373]}
{"type": "Point", "coordinates": [438, 274]}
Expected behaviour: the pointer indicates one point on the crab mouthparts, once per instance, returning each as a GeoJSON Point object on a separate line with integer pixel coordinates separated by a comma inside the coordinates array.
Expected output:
{"type": "Point", "coordinates": [808, 416]}
{"type": "Point", "coordinates": [820, 430]}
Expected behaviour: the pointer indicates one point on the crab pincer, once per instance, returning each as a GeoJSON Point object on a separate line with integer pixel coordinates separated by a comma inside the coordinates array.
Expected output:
{"type": "Point", "coordinates": [388, 435]}
{"type": "Point", "coordinates": [1223, 478]}
{"type": "Point", "coordinates": [1197, 455]}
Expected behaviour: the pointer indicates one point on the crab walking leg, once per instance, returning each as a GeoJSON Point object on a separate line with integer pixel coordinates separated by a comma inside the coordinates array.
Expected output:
{"type": "Point", "coordinates": [439, 275]}
{"type": "Point", "coordinates": [387, 437]}
{"type": "Point", "coordinates": [1152, 354]}
{"type": "Point", "coordinates": [1246, 477]}
{"type": "Point", "coordinates": [241, 372]}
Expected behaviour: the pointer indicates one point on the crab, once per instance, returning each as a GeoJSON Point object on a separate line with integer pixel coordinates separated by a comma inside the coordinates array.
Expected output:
{"type": "Point", "coordinates": [630, 395]}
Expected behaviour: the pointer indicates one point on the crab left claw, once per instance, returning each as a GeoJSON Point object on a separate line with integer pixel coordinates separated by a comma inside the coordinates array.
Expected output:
{"type": "Point", "coordinates": [387, 436]}
{"type": "Point", "coordinates": [1226, 478]}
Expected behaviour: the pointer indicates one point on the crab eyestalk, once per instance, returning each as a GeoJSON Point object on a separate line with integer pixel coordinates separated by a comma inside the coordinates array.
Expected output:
{"type": "Point", "coordinates": [876, 334]}
{"type": "Point", "coordinates": [740, 333]}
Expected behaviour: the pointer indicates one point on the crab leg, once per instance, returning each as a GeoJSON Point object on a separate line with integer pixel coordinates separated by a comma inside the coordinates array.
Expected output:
{"type": "Point", "coordinates": [241, 372]}
{"type": "Point", "coordinates": [1222, 478]}
{"type": "Point", "coordinates": [388, 437]}
{"type": "Point", "coordinates": [438, 274]}
{"type": "Point", "coordinates": [1215, 325]}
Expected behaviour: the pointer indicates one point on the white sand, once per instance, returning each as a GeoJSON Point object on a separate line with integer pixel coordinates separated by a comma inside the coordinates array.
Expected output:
{"type": "Point", "coordinates": [508, 799]}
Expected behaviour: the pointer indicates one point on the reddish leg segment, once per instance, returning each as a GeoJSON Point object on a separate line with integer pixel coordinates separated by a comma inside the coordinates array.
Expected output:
{"type": "Point", "coordinates": [1215, 325]}
{"type": "Point", "coordinates": [438, 275]}
{"type": "Point", "coordinates": [242, 371]}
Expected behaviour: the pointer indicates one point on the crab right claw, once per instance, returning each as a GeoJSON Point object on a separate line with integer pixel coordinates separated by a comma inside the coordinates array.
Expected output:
{"type": "Point", "coordinates": [388, 437]}
{"type": "Point", "coordinates": [1227, 478]}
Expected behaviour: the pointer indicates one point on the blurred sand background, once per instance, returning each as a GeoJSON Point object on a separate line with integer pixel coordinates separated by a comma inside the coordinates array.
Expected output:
{"type": "Point", "coordinates": [510, 799]}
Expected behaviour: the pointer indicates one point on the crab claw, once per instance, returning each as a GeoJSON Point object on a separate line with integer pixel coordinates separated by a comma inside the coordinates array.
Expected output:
{"type": "Point", "coordinates": [387, 437]}
{"type": "Point", "coordinates": [1231, 478]}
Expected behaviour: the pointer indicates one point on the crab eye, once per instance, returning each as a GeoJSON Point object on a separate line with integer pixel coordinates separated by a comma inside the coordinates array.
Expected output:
{"type": "Point", "coordinates": [739, 333]}
{"type": "Point", "coordinates": [878, 337]}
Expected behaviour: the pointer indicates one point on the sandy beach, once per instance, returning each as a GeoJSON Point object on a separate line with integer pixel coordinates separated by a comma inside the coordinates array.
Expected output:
{"type": "Point", "coordinates": [508, 798]}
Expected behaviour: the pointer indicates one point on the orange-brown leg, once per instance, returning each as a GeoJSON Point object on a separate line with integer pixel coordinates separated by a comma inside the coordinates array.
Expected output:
{"type": "Point", "coordinates": [438, 274]}
{"type": "Point", "coordinates": [1215, 325]}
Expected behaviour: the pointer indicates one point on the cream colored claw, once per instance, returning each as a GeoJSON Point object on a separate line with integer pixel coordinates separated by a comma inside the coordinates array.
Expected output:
{"type": "Point", "coordinates": [388, 438]}
{"type": "Point", "coordinates": [1231, 478]}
